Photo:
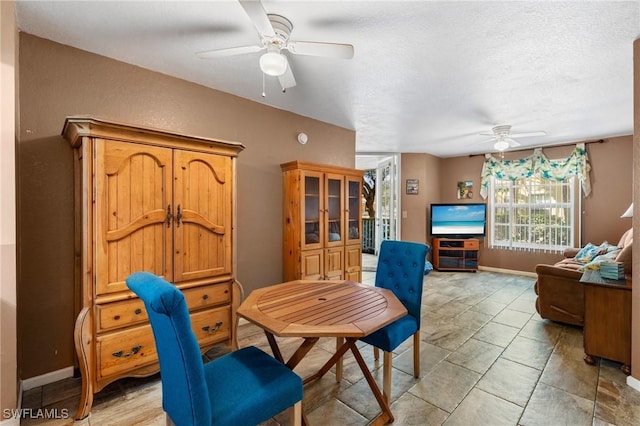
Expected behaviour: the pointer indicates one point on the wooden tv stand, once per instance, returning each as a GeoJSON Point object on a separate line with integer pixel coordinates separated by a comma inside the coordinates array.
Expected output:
{"type": "Point", "coordinates": [455, 254]}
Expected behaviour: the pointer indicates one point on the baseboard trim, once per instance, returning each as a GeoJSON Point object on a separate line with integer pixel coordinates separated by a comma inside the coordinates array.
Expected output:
{"type": "Point", "coordinates": [633, 382]}
{"type": "Point", "coordinates": [47, 378]}
{"type": "Point", "coordinates": [13, 421]}
{"type": "Point", "coordinates": [507, 271]}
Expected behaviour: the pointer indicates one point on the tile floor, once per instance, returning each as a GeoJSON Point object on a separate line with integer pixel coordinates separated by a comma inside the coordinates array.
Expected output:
{"type": "Point", "coordinates": [487, 359]}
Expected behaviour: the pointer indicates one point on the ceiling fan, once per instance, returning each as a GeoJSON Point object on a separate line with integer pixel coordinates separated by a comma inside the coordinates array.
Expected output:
{"type": "Point", "coordinates": [504, 138]}
{"type": "Point", "coordinates": [274, 31]}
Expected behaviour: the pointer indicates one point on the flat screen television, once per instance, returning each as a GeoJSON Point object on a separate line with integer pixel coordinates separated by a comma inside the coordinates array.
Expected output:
{"type": "Point", "coordinates": [458, 220]}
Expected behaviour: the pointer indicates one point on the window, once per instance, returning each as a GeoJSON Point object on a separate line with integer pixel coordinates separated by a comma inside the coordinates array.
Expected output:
{"type": "Point", "coordinates": [533, 199]}
{"type": "Point", "coordinates": [532, 213]}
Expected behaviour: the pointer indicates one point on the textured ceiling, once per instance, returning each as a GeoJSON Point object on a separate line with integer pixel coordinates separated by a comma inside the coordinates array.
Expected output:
{"type": "Point", "coordinates": [427, 76]}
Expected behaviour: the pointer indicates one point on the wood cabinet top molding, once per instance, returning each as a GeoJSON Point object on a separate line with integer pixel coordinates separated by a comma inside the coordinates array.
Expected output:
{"type": "Point", "coordinates": [325, 168]}
{"type": "Point", "coordinates": [77, 127]}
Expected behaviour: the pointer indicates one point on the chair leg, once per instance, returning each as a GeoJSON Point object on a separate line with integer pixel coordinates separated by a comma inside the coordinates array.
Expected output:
{"type": "Point", "coordinates": [296, 414]}
{"type": "Point", "coordinates": [386, 376]}
{"type": "Point", "coordinates": [416, 354]}
{"type": "Point", "coordinates": [376, 353]}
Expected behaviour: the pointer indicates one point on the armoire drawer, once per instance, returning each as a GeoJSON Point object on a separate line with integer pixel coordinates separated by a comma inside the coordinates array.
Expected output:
{"type": "Point", "coordinates": [114, 315]}
{"type": "Point", "coordinates": [111, 316]}
{"type": "Point", "coordinates": [212, 325]}
{"type": "Point", "coordinates": [125, 350]}
{"type": "Point", "coordinates": [208, 295]}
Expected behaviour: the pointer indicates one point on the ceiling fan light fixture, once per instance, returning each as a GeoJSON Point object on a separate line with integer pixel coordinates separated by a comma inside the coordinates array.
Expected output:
{"type": "Point", "coordinates": [501, 145]}
{"type": "Point", "coordinates": [273, 63]}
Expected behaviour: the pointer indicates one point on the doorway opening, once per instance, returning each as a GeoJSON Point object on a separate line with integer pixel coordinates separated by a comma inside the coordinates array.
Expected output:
{"type": "Point", "coordinates": [380, 199]}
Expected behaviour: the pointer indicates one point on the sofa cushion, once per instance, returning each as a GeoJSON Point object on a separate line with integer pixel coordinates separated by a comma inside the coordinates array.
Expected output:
{"type": "Point", "coordinates": [597, 262]}
{"type": "Point", "coordinates": [569, 264]}
{"type": "Point", "coordinates": [587, 253]}
{"type": "Point", "coordinates": [626, 244]}
{"type": "Point", "coordinates": [576, 259]}
{"type": "Point", "coordinates": [626, 239]}
{"type": "Point", "coordinates": [624, 257]}
{"type": "Point", "coordinates": [605, 248]}
{"type": "Point", "coordinates": [570, 252]}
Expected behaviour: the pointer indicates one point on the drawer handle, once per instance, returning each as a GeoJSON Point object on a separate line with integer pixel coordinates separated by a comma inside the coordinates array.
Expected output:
{"type": "Point", "coordinates": [134, 350]}
{"type": "Point", "coordinates": [169, 216]}
{"type": "Point", "coordinates": [137, 311]}
{"type": "Point", "coordinates": [215, 328]}
{"type": "Point", "coordinates": [205, 297]}
{"type": "Point", "coordinates": [178, 216]}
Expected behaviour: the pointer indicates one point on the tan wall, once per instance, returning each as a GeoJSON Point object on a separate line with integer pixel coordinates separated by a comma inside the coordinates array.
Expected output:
{"type": "Point", "coordinates": [611, 193]}
{"type": "Point", "coordinates": [425, 168]}
{"type": "Point", "coordinates": [58, 81]}
{"type": "Point", "coordinates": [8, 337]}
{"type": "Point", "coordinates": [635, 294]}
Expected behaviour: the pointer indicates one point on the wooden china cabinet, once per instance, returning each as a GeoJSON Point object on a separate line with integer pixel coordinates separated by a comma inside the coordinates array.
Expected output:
{"type": "Point", "coordinates": [155, 201]}
{"type": "Point", "coordinates": [322, 222]}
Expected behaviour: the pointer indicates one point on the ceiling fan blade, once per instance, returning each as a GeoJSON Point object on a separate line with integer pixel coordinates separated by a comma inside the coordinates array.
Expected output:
{"type": "Point", "coordinates": [485, 141]}
{"type": "Point", "coordinates": [334, 50]}
{"type": "Point", "coordinates": [258, 16]}
{"type": "Point", "coordinates": [221, 53]}
{"type": "Point", "coordinates": [525, 134]}
{"type": "Point", "coordinates": [287, 80]}
{"type": "Point", "coordinates": [512, 142]}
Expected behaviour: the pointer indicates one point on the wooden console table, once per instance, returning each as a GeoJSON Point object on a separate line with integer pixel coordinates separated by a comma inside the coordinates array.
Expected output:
{"type": "Point", "coordinates": [607, 319]}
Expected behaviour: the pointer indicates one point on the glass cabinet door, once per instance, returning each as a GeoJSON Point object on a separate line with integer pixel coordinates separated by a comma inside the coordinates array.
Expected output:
{"type": "Point", "coordinates": [334, 227]}
{"type": "Point", "coordinates": [312, 209]}
{"type": "Point", "coordinates": [354, 203]}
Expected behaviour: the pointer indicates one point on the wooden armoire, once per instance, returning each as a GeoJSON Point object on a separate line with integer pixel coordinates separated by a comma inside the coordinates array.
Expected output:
{"type": "Point", "coordinates": [322, 222]}
{"type": "Point", "coordinates": [156, 201]}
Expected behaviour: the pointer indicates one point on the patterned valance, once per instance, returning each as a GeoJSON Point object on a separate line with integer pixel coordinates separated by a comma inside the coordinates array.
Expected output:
{"type": "Point", "coordinates": [577, 164]}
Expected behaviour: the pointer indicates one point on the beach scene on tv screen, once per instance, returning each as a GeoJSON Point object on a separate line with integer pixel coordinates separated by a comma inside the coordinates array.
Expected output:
{"type": "Point", "coordinates": [458, 220]}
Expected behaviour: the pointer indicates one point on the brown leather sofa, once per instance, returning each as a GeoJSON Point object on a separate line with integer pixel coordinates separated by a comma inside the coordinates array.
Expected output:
{"type": "Point", "coordinates": [560, 294]}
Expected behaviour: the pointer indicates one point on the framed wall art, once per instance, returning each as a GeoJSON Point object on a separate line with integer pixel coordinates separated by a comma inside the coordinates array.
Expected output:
{"type": "Point", "coordinates": [412, 186]}
{"type": "Point", "coordinates": [465, 189]}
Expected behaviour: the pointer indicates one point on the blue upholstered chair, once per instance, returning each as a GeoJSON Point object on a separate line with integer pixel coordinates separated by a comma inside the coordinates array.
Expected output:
{"type": "Point", "coordinates": [244, 387]}
{"type": "Point", "coordinates": [401, 270]}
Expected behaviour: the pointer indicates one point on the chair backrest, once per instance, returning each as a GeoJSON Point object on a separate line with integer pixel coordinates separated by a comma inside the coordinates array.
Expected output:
{"type": "Point", "coordinates": [185, 397]}
{"type": "Point", "coordinates": [401, 270]}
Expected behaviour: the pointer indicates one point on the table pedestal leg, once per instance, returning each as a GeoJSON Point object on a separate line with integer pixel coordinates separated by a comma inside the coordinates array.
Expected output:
{"type": "Point", "coordinates": [274, 346]}
{"type": "Point", "coordinates": [350, 344]}
{"type": "Point", "coordinates": [295, 359]}
{"type": "Point", "coordinates": [385, 416]}
{"type": "Point", "coordinates": [298, 355]}
{"type": "Point", "coordinates": [327, 366]}
{"type": "Point", "coordinates": [339, 343]}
